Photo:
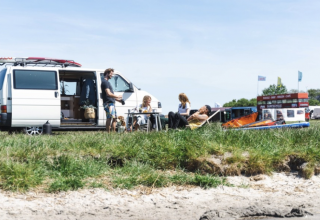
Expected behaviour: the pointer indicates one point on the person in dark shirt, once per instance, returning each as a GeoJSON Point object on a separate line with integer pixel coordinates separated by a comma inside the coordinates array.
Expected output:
{"type": "Point", "coordinates": [109, 99]}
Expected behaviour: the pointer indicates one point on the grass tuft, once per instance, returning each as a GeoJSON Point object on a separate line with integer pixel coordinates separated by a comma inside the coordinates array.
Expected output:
{"type": "Point", "coordinates": [65, 184]}
{"type": "Point", "coordinates": [16, 176]}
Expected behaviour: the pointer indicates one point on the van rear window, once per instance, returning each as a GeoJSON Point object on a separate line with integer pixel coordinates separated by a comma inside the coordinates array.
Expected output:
{"type": "Point", "coordinates": [2, 75]}
{"type": "Point", "coordinates": [35, 79]}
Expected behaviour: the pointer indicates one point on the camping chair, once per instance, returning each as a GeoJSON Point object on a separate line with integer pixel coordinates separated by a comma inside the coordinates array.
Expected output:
{"type": "Point", "coordinates": [146, 127]}
{"type": "Point", "coordinates": [153, 123]}
{"type": "Point", "coordinates": [206, 121]}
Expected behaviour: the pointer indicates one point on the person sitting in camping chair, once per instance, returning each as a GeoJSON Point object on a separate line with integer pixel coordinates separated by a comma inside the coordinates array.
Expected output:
{"type": "Point", "coordinates": [144, 119]}
{"type": "Point", "coordinates": [196, 119]}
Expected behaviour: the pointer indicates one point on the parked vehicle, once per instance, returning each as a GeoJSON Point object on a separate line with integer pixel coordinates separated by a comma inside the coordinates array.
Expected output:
{"type": "Point", "coordinates": [35, 90]}
{"type": "Point", "coordinates": [314, 112]}
{"type": "Point", "coordinates": [286, 114]}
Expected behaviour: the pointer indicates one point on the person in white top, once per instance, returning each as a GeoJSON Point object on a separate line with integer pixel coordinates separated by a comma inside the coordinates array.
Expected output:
{"type": "Point", "coordinates": [144, 107]}
{"type": "Point", "coordinates": [179, 119]}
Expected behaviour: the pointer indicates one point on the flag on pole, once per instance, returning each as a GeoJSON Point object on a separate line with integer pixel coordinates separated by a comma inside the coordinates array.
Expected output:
{"type": "Point", "coordinates": [279, 82]}
{"type": "Point", "coordinates": [299, 76]}
{"type": "Point", "coordinates": [262, 78]}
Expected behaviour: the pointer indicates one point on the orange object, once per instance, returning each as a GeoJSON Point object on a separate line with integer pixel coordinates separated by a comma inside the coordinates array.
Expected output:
{"type": "Point", "coordinates": [307, 115]}
{"type": "Point", "coordinates": [244, 120]}
{"type": "Point", "coordinates": [267, 122]}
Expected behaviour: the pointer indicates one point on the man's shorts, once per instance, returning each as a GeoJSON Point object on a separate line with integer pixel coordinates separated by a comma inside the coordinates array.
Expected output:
{"type": "Point", "coordinates": [110, 110]}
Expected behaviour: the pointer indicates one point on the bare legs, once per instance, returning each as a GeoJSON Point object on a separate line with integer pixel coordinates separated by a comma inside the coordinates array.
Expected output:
{"type": "Point", "coordinates": [135, 124]}
{"type": "Point", "coordinates": [113, 125]}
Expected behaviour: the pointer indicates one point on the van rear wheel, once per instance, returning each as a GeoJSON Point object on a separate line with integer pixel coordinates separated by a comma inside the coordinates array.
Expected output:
{"type": "Point", "coordinates": [32, 130]}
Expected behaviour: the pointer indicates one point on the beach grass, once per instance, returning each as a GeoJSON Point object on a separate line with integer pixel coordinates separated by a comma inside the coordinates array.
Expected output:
{"type": "Point", "coordinates": [73, 160]}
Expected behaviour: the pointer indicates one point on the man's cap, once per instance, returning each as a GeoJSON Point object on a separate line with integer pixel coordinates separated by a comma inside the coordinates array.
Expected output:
{"type": "Point", "coordinates": [209, 109]}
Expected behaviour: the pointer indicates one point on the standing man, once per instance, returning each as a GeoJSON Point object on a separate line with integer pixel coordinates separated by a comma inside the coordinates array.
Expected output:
{"type": "Point", "coordinates": [109, 99]}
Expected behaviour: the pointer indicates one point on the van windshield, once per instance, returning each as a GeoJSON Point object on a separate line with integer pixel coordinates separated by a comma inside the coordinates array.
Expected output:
{"type": "Point", "coordinates": [2, 75]}
{"type": "Point", "coordinates": [118, 83]}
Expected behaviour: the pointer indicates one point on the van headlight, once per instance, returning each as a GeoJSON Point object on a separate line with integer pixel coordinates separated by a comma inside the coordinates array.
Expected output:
{"type": "Point", "coordinates": [159, 105]}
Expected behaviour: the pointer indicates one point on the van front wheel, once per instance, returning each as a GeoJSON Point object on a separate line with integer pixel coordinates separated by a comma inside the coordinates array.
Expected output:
{"type": "Point", "coordinates": [32, 130]}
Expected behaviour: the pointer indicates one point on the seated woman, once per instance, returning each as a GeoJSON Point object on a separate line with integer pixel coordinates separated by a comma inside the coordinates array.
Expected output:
{"type": "Point", "coordinates": [144, 107]}
{"type": "Point", "coordinates": [198, 117]}
{"type": "Point", "coordinates": [179, 119]}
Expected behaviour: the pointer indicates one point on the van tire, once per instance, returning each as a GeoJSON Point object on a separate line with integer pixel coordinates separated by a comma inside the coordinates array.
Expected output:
{"type": "Point", "coordinates": [33, 131]}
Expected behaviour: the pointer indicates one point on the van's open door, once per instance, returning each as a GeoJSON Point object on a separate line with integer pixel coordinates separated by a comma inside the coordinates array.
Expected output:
{"type": "Point", "coordinates": [35, 97]}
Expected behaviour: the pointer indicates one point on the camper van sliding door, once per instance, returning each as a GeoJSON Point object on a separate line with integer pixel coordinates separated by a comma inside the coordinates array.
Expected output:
{"type": "Point", "coordinates": [35, 98]}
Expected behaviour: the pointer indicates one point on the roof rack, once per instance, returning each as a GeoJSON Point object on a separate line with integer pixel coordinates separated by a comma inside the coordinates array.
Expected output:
{"type": "Point", "coordinates": [36, 61]}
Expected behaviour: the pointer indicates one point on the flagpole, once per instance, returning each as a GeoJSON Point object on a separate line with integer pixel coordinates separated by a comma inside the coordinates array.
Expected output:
{"type": "Point", "coordinates": [299, 79]}
{"type": "Point", "coordinates": [260, 78]}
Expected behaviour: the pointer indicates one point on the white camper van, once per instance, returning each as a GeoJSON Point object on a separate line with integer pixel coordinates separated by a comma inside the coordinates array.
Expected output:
{"type": "Point", "coordinates": [36, 90]}
{"type": "Point", "coordinates": [287, 114]}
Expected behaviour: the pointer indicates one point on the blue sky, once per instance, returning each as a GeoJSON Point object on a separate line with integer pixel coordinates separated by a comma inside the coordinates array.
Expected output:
{"type": "Point", "coordinates": [212, 50]}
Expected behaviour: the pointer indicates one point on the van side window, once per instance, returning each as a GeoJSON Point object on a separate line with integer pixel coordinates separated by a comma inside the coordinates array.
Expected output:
{"type": "Point", "coordinates": [35, 79]}
{"type": "Point", "coordinates": [300, 112]}
{"type": "Point", "coordinates": [290, 113]}
{"type": "Point", "coordinates": [118, 83]}
{"type": "Point", "coordinates": [2, 75]}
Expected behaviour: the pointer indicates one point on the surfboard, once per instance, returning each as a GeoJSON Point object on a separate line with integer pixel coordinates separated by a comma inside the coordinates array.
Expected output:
{"type": "Point", "coordinates": [38, 60]}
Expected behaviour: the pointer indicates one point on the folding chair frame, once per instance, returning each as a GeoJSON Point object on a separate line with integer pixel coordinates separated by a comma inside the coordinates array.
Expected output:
{"type": "Point", "coordinates": [146, 127]}
{"type": "Point", "coordinates": [206, 121]}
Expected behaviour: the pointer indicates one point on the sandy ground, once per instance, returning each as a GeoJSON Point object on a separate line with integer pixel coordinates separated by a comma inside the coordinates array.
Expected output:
{"type": "Point", "coordinates": [279, 191]}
